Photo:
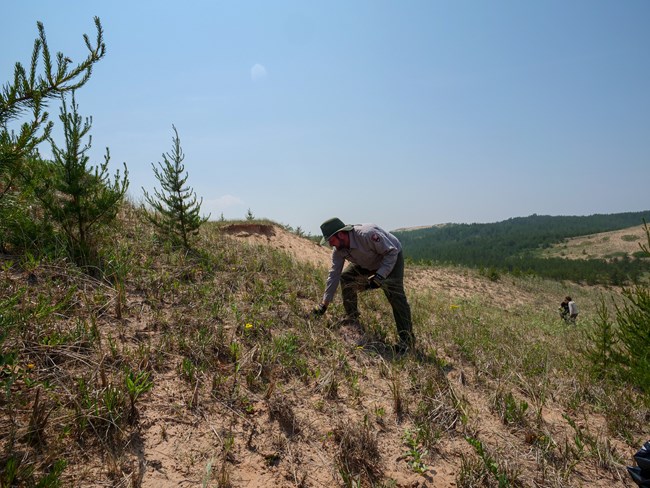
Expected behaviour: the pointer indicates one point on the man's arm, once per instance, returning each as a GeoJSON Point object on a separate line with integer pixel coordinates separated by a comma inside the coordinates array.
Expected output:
{"type": "Point", "coordinates": [333, 277]}
{"type": "Point", "coordinates": [388, 247]}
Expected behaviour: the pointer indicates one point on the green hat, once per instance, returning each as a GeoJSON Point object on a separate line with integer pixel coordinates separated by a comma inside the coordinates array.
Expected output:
{"type": "Point", "coordinates": [331, 227]}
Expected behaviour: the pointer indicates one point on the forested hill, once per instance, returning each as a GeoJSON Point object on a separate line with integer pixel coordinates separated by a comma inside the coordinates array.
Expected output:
{"type": "Point", "coordinates": [513, 245]}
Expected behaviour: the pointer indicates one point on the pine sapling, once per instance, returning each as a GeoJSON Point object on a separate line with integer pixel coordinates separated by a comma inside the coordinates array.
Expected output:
{"type": "Point", "coordinates": [176, 210]}
{"type": "Point", "coordinates": [80, 198]}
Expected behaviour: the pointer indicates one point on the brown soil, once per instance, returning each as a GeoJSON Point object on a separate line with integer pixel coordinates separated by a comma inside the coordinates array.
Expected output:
{"type": "Point", "coordinates": [299, 247]}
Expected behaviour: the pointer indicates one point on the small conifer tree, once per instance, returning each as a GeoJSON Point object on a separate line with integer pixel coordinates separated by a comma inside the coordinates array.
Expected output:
{"type": "Point", "coordinates": [29, 91]}
{"type": "Point", "coordinates": [78, 197]}
{"type": "Point", "coordinates": [176, 211]}
{"type": "Point", "coordinates": [625, 348]}
{"type": "Point", "coordinates": [633, 320]}
{"type": "Point", "coordinates": [600, 348]}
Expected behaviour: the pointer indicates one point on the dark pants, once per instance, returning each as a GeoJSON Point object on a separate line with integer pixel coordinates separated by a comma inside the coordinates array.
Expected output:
{"type": "Point", "coordinates": [355, 279]}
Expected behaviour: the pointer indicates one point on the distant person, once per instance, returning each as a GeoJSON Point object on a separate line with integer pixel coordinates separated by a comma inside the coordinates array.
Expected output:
{"type": "Point", "coordinates": [564, 309]}
{"type": "Point", "coordinates": [375, 261]}
{"type": "Point", "coordinates": [573, 310]}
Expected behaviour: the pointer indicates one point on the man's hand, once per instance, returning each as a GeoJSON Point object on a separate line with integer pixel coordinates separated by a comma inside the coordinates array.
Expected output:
{"type": "Point", "coordinates": [318, 311]}
{"type": "Point", "coordinates": [375, 281]}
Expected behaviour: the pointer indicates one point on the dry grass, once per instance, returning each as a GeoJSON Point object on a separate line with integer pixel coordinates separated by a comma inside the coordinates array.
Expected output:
{"type": "Point", "coordinates": [247, 391]}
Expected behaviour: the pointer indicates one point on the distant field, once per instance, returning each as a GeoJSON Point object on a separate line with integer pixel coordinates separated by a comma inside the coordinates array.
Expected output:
{"type": "Point", "coordinates": [606, 245]}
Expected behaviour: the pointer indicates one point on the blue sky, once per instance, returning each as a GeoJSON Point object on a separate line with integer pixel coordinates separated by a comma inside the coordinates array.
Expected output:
{"type": "Point", "coordinates": [399, 113]}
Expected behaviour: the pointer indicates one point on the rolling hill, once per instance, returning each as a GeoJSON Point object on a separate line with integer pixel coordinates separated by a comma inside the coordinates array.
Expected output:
{"type": "Point", "coordinates": [521, 245]}
{"type": "Point", "coordinates": [615, 244]}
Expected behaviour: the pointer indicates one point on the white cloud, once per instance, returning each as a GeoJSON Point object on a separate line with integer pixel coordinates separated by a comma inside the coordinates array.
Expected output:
{"type": "Point", "coordinates": [258, 72]}
{"type": "Point", "coordinates": [229, 201]}
{"type": "Point", "coordinates": [216, 206]}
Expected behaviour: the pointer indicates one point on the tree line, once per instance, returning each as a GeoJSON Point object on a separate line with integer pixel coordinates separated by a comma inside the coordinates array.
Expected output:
{"type": "Point", "coordinates": [514, 246]}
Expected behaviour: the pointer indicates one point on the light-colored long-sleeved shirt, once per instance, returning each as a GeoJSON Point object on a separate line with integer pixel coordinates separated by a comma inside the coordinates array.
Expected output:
{"type": "Point", "coordinates": [371, 247]}
{"type": "Point", "coordinates": [573, 308]}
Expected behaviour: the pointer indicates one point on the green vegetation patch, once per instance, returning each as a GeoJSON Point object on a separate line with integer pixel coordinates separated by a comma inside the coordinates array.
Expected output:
{"type": "Point", "coordinates": [629, 238]}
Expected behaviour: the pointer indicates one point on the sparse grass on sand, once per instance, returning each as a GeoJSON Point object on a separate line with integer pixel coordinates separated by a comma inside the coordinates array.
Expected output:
{"type": "Point", "coordinates": [202, 369]}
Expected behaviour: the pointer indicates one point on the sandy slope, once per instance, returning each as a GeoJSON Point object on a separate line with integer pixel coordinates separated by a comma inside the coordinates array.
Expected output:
{"type": "Point", "coordinates": [457, 284]}
{"type": "Point", "coordinates": [301, 248]}
{"type": "Point", "coordinates": [601, 246]}
{"type": "Point", "coordinates": [182, 429]}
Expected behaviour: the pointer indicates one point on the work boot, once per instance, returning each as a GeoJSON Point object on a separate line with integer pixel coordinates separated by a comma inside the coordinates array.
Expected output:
{"type": "Point", "coordinates": [351, 320]}
{"type": "Point", "coordinates": [405, 344]}
{"type": "Point", "coordinates": [401, 348]}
